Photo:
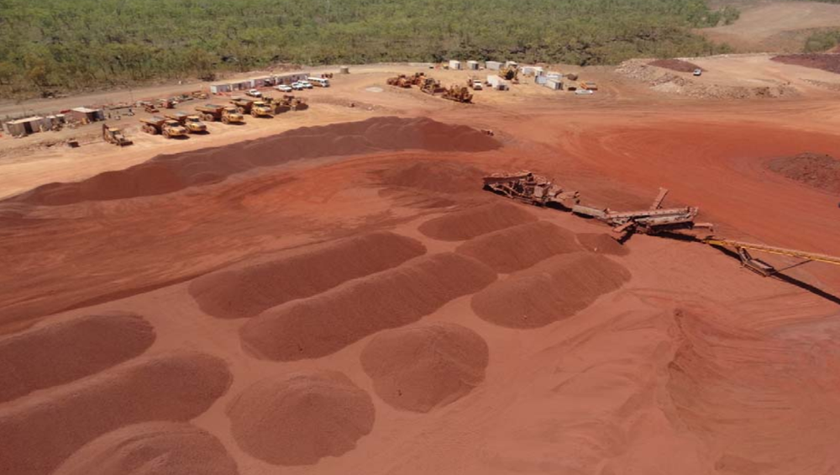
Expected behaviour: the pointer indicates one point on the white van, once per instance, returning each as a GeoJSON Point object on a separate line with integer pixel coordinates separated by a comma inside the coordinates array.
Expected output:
{"type": "Point", "coordinates": [320, 82]}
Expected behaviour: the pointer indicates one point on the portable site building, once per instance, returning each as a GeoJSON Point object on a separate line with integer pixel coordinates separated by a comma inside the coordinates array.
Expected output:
{"type": "Point", "coordinates": [25, 126]}
{"type": "Point", "coordinates": [454, 64]}
{"type": "Point", "coordinates": [262, 81]}
{"type": "Point", "coordinates": [497, 82]}
{"type": "Point", "coordinates": [494, 65]}
{"type": "Point", "coordinates": [554, 84]}
{"type": "Point", "coordinates": [86, 114]}
{"type": "Point", "coordinates": [554, 75]}
{"type": "Point", "coordinates": [289, 78]}
{"type": "Point", "coordinates": [532, 70]}
{"type": "Point", "coordinates": [541, 79]}
{"type": "Point", "coordinates": [220, 88]}
{"type": "Point", "coordinates": [473, 65]}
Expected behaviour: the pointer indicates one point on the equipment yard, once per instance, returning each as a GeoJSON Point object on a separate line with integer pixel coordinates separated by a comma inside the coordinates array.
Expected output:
{"type": "Point", "coordinates": [330, 290]}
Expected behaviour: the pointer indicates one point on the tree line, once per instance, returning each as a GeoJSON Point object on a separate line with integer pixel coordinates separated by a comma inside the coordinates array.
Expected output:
{"type": "Point", "coordinates": [54, 46]}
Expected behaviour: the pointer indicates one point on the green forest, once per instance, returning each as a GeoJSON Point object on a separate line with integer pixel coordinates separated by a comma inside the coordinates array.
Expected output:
{"type": "Point", "coordinates": [54, 46]}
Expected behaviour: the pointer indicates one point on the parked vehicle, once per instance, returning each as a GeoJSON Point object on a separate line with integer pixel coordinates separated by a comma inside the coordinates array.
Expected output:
{"type": "Point", "coordinates": [253, 93]}
{"type": "Point", "coordinates": [297, 86]}
{"type": "Point", "coordinates": [306, 84]}
{"type": "Point", "coordinates": [225, 114]}
{"type": "Point", "coordinates": [284, 88]}
{"type": "Point", "coordinates": [320, 82]}
{"type": "Point", "coordinates": [698, 72]}
{"type": "Point", "coordinates": [162, 126]}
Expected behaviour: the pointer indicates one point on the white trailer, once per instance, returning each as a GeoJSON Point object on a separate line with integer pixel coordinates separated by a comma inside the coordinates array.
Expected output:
{"type": "Point", "coordinates": [454, 64]}
{"type": "Point", "coordinates": [497, 82]}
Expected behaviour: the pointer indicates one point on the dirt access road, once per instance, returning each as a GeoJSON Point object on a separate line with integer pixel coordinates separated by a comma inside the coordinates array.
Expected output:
{"type": "Point", "coordinates": [775, 26]}
{"type": "Point", "coordinates": [343, 297]}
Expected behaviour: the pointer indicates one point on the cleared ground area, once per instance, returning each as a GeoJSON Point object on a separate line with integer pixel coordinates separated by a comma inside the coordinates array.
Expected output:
{"type": "Point", "coordinates": [332, 292]}
{"type": "Point", "coordinates": [777, 27]}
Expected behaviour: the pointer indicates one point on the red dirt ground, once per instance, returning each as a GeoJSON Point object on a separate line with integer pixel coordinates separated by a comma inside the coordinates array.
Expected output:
{"type": "Point", "coordinates": [422, 367]}
{"type": "Point", "coordinates": [818, 171]}
{"type": "Point", "coordinates": [826, 61]}
{"type": "Point", "coordinates": [661, 356]}
{"type": "Point", "coordinates": [153, 448]}
{"type": "Point", "coordinates": [299, 418]}
{"type": "Point", "coordinates": [676, 65]}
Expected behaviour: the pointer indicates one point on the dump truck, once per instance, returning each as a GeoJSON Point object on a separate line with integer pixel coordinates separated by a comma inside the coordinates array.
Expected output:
{"type": "Point", "coordinates": [225, 114]}
{"type": "Point", "coordinates": [250, 106]}
{"type": "Point", "coordinates": [192, 123]}
{"type": "Point", "coordinates": [115, 136]}
{"type": "Point", "coordinates": [161, 125]}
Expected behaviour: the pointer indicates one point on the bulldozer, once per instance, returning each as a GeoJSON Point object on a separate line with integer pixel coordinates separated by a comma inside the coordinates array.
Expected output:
{"type": "Point", "coordinates": [417, 79]}
{"type": "Point", "coordinates": [458, 94]}
{"type": "Point", "coordinates": [225, 114]}
{"type": "Point", "coordinates": [400, 81]}
{"type": "Point", "coordinates": [114, 136]}
{"type": "Point", "coordinates": [192, 123]}
{"type": "Point", "coordinates": [431, 86]}
{"type": "Point", "coordinates": [295, 103]}
{"type": "Point", "coordinates": [169, 128]}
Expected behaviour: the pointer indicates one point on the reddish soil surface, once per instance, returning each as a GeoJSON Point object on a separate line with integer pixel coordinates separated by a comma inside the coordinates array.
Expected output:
{"type": "Point", "coordinates": [167, 174]}
{"type": "Point", "coordinates": [425, 366]}
{"type": "Point", "coordinates": [299, 418]}
{"type": "Point", "coordinates": [556, 288]}
{"type": "Point", "coordinates": [818, 171]}
{"type": "Point", "coordinates": [41, 358]}
{"type": "Point", "coordinates": [505, 251]}
{"type": "Point", "coordinates": [250, 288]}
{"type": "Point", "coordinates": [358, 305]}
{"type": "Point", "coordinates": [472, 223]}
{"type": "Point", "coordinates": [675, 65]}
{"type": "Point", "coordinates": [152, 448]}
{"type": "Point", "coordinates": [826, 61]}
{"type": "Point", "coordinates": [175, 387]}
{"type": "Point", "coordinates": [602, 244]}
{"type": "Point", "coordinates": [332, 320]}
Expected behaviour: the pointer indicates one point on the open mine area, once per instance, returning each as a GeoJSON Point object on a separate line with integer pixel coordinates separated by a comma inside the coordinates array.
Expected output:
{"type": "Point", "coordinates": [333, 290]}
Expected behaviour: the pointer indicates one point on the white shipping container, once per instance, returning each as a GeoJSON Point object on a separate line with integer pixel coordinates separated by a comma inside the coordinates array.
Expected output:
{"type": "Point", "coordinates": [472, 65]}
{"type": "Point", "coordinates": [540, 79]}
{"type": "Point", "coordinates": [555, 85]}
{"type": "Point", "coordinates": [494, 65]}
{"type": "Point", "coordinates": [497, 82]}
{"type": "Point", "coordinates": [454, 64]}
